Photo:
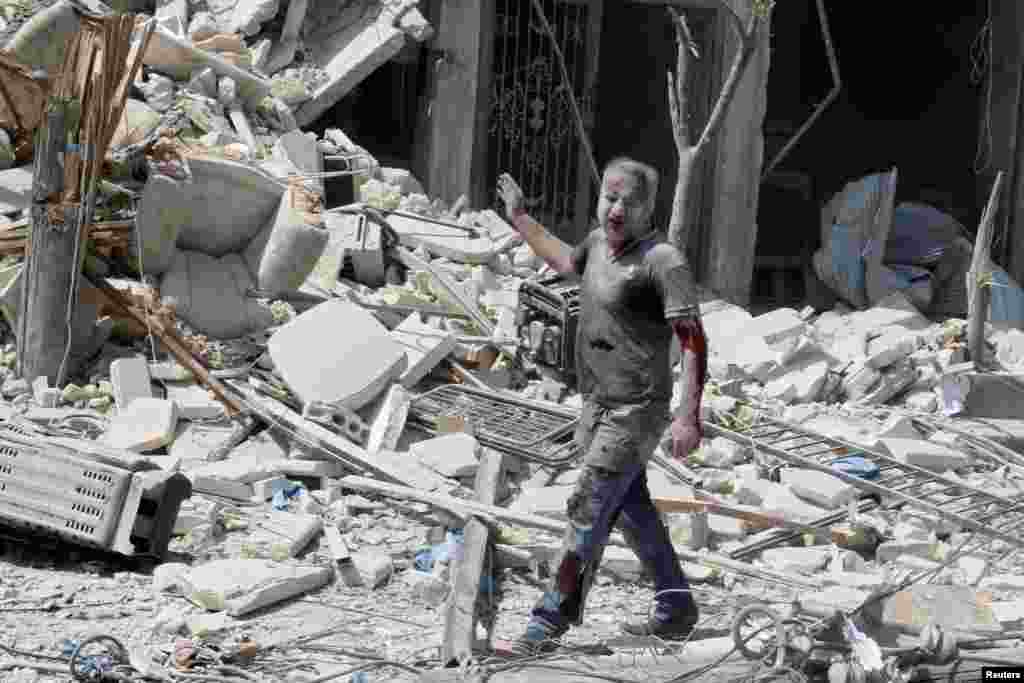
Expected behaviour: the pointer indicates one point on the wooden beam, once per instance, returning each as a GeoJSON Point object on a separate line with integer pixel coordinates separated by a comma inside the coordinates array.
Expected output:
{"type": "Point", "coordinates": [460, 618]}
{"type": "Point", "coordinates": [737, 177]}
{"type": "Point", "coordinates": [978, 292]}
{"type": "Point", "coordinates": [758, 519]}
{"type": "Point", "coordinates": [42, 338]}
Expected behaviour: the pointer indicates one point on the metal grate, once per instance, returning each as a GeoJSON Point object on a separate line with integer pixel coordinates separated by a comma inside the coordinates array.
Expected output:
{"type": "Point", "coordinates": [969, 507]}
{"type": "Point", "coordinates": [44, 488]}
{"type": "Point", "coordinates": [502, 422]}
{"type": "Point", "coordinates": [532, 132]}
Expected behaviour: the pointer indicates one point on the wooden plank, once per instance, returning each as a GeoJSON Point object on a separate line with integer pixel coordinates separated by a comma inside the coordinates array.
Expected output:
{"type": "Point", "coordinates": [459, 104]}
{"type": "Point", "coordinates": [758, 519]}
{"type": "Point", "coordinates": [460, 617]}
{"type": "Point", "coordinates": [739, 156]}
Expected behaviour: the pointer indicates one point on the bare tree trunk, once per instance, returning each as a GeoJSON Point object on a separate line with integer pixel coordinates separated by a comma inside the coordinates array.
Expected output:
{"type": "Point", "coordinates": [691, 154]}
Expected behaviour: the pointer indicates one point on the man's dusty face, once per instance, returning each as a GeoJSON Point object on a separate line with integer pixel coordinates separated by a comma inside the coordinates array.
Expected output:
{"type": "Point", "coordinates": [622, 208]}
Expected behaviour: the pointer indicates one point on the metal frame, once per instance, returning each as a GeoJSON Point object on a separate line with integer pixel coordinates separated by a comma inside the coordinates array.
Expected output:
{"type": "Point", "coordinates": [906, 477]}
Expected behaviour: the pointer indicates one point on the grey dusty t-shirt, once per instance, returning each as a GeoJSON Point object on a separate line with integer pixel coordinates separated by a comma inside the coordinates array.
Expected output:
{"type": "Point", "coordinates": [626, 303]}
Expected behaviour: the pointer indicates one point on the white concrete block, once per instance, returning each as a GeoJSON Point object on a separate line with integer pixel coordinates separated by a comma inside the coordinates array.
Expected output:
{"type": "Point", "coordinates": [776, 326]}
{"type": "Point", "coordinates": [819, 488]}
{"type": "Point", "coordinates": [547, 501]}
{"type": "Point", "coordinates": [425, 347]}
{"type": "Point", "coordinates": [143, 425]}
{"type": "Point", "coordinates": [243, 586]}
{"type": "Point", "coordinates": [797, 560]}
{"type": "Point", "coordinates": [891, 347]}
{"type": "Point", "coordinates": [130, 378]}
{"type": "Point", "coordinates": [194, 402]}
{"type": "Point", "coordinates": [375, 568]}
{"type": "Point", "coordinates": [337, 353]}
{"type": "Point", "coordinates": [924, 454]}
{"type": "Point", "coordinates": [452, 455]}
{"type": "Point", "coordinates": [889, 551]}
{"type": "Point", "coordinates": [922, 401]}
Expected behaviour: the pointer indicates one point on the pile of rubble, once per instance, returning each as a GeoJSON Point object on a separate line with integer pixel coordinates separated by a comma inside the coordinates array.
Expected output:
{"type": "Point", "coordinates": [370, 425]}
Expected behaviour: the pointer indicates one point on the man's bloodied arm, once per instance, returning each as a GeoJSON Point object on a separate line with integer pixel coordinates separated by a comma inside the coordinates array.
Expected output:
{"type": "Point", "coordinates": [554, 251]}
{"type": "Point", "coordinates": [693, 345]}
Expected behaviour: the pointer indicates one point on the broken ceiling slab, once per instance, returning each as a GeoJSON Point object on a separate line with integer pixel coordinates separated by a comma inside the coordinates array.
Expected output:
{"type": "Point", "coordinates": [349, 56]}
{"type": "Point", "coordinates": [449, 240]}
{"type": "Point", "coordinates": [336, 353]}
{"type": "Point", "coordinates": [425, 347]}
{"type": "Point", "coordinates": [143, 425]}
{"type": "Point", "coordinates": [243, 586]}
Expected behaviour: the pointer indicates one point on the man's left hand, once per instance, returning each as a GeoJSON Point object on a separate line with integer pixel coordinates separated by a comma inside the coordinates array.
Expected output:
{"type": "Point", "coordinates": [686, 436]}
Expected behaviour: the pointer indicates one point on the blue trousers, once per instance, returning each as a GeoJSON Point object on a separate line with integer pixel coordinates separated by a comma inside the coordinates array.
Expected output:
{"type": "Point", "coordinates": [602, 499]}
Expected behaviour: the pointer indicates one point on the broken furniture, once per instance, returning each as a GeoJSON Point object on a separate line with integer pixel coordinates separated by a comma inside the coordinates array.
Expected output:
{"type": "Point", "coordinates": [86, 493]}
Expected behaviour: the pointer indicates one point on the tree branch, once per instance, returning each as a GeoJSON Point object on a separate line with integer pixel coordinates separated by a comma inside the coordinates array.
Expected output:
{"type": "Point", "coordinates": [690, 154]}
{"type": "Point", "coordinates": [748, 43]}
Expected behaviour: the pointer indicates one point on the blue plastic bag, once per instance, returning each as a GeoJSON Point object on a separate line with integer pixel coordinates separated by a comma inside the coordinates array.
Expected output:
{"type": "Point", "coordinates": [857, 466]}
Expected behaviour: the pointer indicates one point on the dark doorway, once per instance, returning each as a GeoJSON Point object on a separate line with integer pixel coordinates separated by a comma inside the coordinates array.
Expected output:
{"type": "Point", "coordinates": [911, 99]}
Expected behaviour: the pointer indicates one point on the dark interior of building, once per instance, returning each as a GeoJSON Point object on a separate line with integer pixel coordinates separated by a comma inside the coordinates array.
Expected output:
{"type": "Point", "coordinates": [912, 97]}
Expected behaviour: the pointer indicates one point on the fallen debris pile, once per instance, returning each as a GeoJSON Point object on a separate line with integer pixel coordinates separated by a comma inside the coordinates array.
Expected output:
{"type": "Point", "coordinates": [368, 411]}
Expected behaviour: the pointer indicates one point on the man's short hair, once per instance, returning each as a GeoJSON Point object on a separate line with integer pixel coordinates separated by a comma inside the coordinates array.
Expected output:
{"type": "Point", "coordinates": [646, 174]}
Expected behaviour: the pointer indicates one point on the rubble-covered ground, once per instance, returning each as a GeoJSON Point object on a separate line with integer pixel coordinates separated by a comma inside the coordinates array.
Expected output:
{"type": "Point", "coordinates": [331, 324]}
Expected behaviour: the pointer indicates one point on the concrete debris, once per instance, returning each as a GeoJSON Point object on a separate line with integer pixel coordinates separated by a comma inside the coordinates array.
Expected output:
{"type": "Point", "coordinates": [320, 315]}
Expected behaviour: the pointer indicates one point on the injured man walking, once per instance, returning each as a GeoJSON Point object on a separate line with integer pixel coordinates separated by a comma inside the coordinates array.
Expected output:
{"type": "Point", "coordinates": [637, 293]}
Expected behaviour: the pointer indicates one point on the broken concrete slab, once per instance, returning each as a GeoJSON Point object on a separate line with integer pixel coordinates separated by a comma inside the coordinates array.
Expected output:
{"type": "Point", "coordinates": [374, 568]}
{"type": "Point", "coordinates": [924, 454]}
{"type": "Point", "coordinates": [193, 442]}
{"type": "Point", "coordinates": [801, 383]}
{"type": "Point", "coordinates": [775, 326]}
{"type": "Point", "coordinates": [452, 455]}
{"type": "Point", "coordinates": [302, 151]}
{"type": "Point", "coordinates": [336, 353]}
{"type": "Point", "coordinates": [450, 241]}
{"type": "Point", "coordinates": [177, 57]}
{"type": "Point", "coordinates": [348, 57]}
{"type": "Point", "coordinates": [547, 501]}
{"type": "Point", "coordinates": [425, 348]}
{"type": "Point", "coordinates": [389, 420]}
{"type": "Point", "coordinates": [891, 347]}
{"type": "Point", "coordinates": [143, 425]}
{"type": "Point", "coordinates": [130, 379]}
{"type": "Point", "coordinates": [797, 560]}
{"type": "Point", "coordinates": [249, 15]}
{"type": "Point", "coordinates": [194, 401]}
{"type": "Point", "coordinates": [819, 488]}
{"type": "Point", "coordinates": [243, 586]}
{"type": "Point", "coordinates": [293, 530]}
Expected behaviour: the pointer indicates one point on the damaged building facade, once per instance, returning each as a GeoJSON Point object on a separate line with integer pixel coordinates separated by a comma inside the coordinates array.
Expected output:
{"type": "Point", "coordinates": [296, 402]}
